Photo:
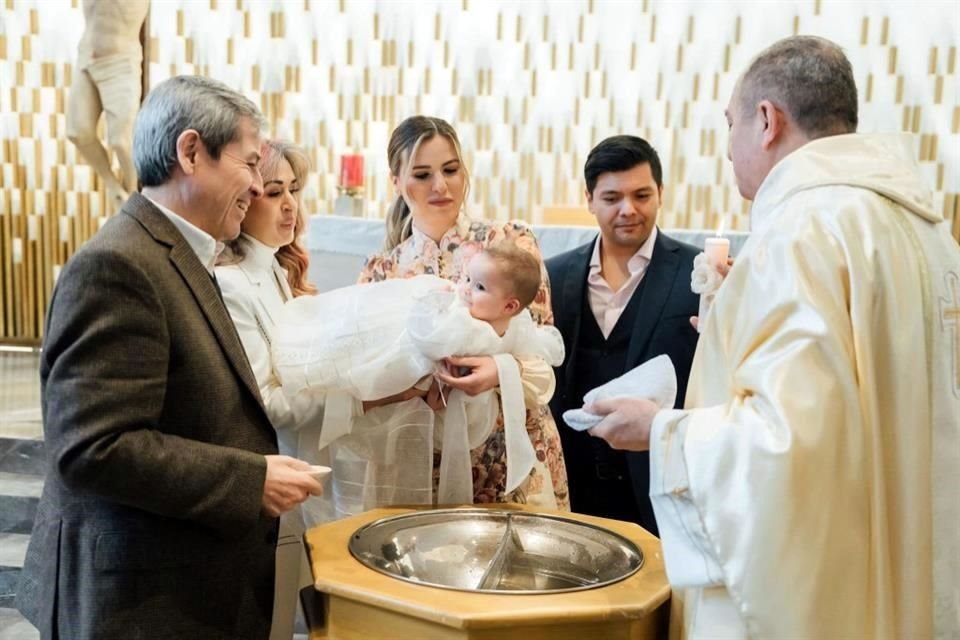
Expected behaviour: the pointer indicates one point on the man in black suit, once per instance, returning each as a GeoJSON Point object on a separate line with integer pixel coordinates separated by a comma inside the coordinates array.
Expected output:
{"type": "Point", "coordinates": [619, 301]}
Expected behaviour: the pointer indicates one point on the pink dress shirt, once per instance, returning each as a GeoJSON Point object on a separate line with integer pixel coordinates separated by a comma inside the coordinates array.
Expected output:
{"type": "Point", "coordinates": [607, 304]}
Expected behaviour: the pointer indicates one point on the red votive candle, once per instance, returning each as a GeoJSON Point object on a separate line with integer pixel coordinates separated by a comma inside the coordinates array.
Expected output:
{"type": "Point", "coordinates": [351, 171]}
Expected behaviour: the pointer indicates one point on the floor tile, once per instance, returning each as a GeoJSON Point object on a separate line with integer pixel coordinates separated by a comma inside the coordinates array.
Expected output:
{"type": "Point", "coordinates": [17, 484]}
{"type": "Point", "coordinates": [14, 627]}
{"type": "Point", "coordinates": [22, 456]}
{"type": "Point", "coordinates": [13, 548]}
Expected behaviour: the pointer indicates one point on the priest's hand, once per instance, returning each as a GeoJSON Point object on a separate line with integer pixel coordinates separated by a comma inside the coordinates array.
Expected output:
{"type": "Point", "coordinates": [626, 424]}
{"type": "Point", "coordinates": [472, 375]}
{"type": "Point", "coordinates": [288, 483]}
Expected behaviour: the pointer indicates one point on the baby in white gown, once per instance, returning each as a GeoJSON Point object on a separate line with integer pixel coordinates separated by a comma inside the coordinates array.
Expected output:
{"type": "Point", "coordinates": [377, 340]}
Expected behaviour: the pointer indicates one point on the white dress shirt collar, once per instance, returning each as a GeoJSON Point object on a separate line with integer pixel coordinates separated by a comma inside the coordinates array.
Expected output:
{"type": "Point", "coordinates": [638, 261]}
{"type": "Point", "coordinates": [203, 244]}
{"type": "Point", "coordinates": [260, 255]}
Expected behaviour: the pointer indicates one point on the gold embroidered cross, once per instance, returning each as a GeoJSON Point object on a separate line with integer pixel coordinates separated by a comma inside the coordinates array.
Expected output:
{"type": "Point", "coordinates": [950, 315]}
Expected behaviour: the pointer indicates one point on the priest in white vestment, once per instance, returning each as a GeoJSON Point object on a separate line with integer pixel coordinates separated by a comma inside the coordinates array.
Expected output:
{"type": "Point", "coordinates": [810, 488]}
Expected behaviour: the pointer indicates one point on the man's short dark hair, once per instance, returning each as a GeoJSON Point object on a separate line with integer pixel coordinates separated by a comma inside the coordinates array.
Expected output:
{"type": "Point", "coordinates": [808, 77]}
{"type": "Point", "coordinates": [620, 153]}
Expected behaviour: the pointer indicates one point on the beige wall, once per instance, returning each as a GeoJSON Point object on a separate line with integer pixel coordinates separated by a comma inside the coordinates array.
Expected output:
{"type": "Point", "coordinates": [531, 87]}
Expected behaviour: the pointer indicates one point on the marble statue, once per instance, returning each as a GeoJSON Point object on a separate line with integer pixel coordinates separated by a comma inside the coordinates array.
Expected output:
{"type": "Point", "coordinates": [108, 80]}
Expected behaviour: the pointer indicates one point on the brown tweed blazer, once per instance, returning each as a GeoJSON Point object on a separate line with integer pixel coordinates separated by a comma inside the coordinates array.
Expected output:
{"type": "Point", "coordinates": [149, 525]}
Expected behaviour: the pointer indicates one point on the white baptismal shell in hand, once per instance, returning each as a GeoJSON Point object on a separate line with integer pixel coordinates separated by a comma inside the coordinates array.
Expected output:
{"type": "Point", "coordinates": [704, 279]}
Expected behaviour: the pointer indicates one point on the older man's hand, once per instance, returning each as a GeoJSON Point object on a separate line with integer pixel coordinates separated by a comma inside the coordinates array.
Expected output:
{"type": "Point", "coordinates": [626, 424]}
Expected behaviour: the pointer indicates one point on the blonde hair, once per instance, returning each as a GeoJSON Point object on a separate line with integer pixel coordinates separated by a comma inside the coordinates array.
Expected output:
{"type": "Point", "coordinates": [293, 257]}
{"type": "Point", "coordinates": [404, 143]}
{"type": "Point", "coordinates": [521, 270]}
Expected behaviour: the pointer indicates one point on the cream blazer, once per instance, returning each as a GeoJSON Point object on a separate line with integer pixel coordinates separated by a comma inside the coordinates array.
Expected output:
{"type": "Point", "coordinates": [254, 291]}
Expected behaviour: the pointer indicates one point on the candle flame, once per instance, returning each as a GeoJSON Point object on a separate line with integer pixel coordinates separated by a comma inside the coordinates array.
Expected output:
{"type": "Point", "coordinates": [722, 226]}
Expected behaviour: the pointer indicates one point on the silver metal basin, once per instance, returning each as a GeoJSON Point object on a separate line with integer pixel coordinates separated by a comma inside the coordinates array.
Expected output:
{"type": "Point", "coordinates": [493, 551]}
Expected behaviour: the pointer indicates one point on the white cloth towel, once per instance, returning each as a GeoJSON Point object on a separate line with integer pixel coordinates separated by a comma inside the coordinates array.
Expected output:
{"type": "Point", "coordinates": [654, 380]}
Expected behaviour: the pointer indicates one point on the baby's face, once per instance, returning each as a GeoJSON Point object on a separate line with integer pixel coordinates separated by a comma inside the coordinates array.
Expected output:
{"type": "Point", "coordinates": [485, 291]}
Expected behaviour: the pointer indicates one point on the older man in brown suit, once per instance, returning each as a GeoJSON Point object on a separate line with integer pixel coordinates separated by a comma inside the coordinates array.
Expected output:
{"type": "Point", "coordinates": [159, 512]}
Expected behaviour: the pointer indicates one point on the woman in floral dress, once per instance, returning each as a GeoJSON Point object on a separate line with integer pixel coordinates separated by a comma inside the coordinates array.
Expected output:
{"type": "Point", "coordinates": [428, 233]}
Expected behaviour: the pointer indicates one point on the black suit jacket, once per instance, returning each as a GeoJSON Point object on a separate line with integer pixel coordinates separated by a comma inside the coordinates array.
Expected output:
{"type": "Point", "coordinates": [662, 327]}
{"type": "Point", "coordinates": [150, 523]}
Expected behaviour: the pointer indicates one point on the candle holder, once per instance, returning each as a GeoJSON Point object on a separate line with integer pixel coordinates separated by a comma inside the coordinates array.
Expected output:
{"type": "Point", "coordinates": [349, 201]}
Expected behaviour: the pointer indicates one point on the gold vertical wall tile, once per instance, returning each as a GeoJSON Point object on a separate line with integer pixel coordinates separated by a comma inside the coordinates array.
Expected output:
{"type": "Point", "coordinates": [437, 24]}
{"type": "Point", "coordinates": [699, 202]}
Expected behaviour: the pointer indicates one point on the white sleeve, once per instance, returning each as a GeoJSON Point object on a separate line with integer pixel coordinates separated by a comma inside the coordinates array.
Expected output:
{"type": "Point", "coordinates": [686, 546]}
{"type": "Point", "coordinates": [284, 412]}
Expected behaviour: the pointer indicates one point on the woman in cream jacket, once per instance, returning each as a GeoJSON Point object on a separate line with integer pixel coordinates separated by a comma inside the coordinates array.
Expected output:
{"type": "Point", "coordinates": [258, 273]}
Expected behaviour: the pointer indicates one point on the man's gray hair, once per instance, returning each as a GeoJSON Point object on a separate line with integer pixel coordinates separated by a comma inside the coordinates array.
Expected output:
{"type": "Point", "coordinates": [808, 77]}
{"type": "Point", "coordinates": [210, 107]}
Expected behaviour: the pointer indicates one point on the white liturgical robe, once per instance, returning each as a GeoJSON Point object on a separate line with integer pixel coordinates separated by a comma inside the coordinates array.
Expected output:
{"type": "Point", "coordinates": [809, 491]}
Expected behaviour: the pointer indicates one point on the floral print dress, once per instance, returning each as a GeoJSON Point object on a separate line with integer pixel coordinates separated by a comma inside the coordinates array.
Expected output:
{"type": "Point", "coordinates": [418, 255]}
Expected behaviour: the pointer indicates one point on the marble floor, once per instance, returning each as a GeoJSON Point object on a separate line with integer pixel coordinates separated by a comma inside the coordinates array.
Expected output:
{"type": "Point", "coordinates": [21, 478]}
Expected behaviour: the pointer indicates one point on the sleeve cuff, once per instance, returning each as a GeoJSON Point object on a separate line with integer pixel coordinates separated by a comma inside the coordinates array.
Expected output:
{"type": "Point", "coordinates": [686, 546]}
